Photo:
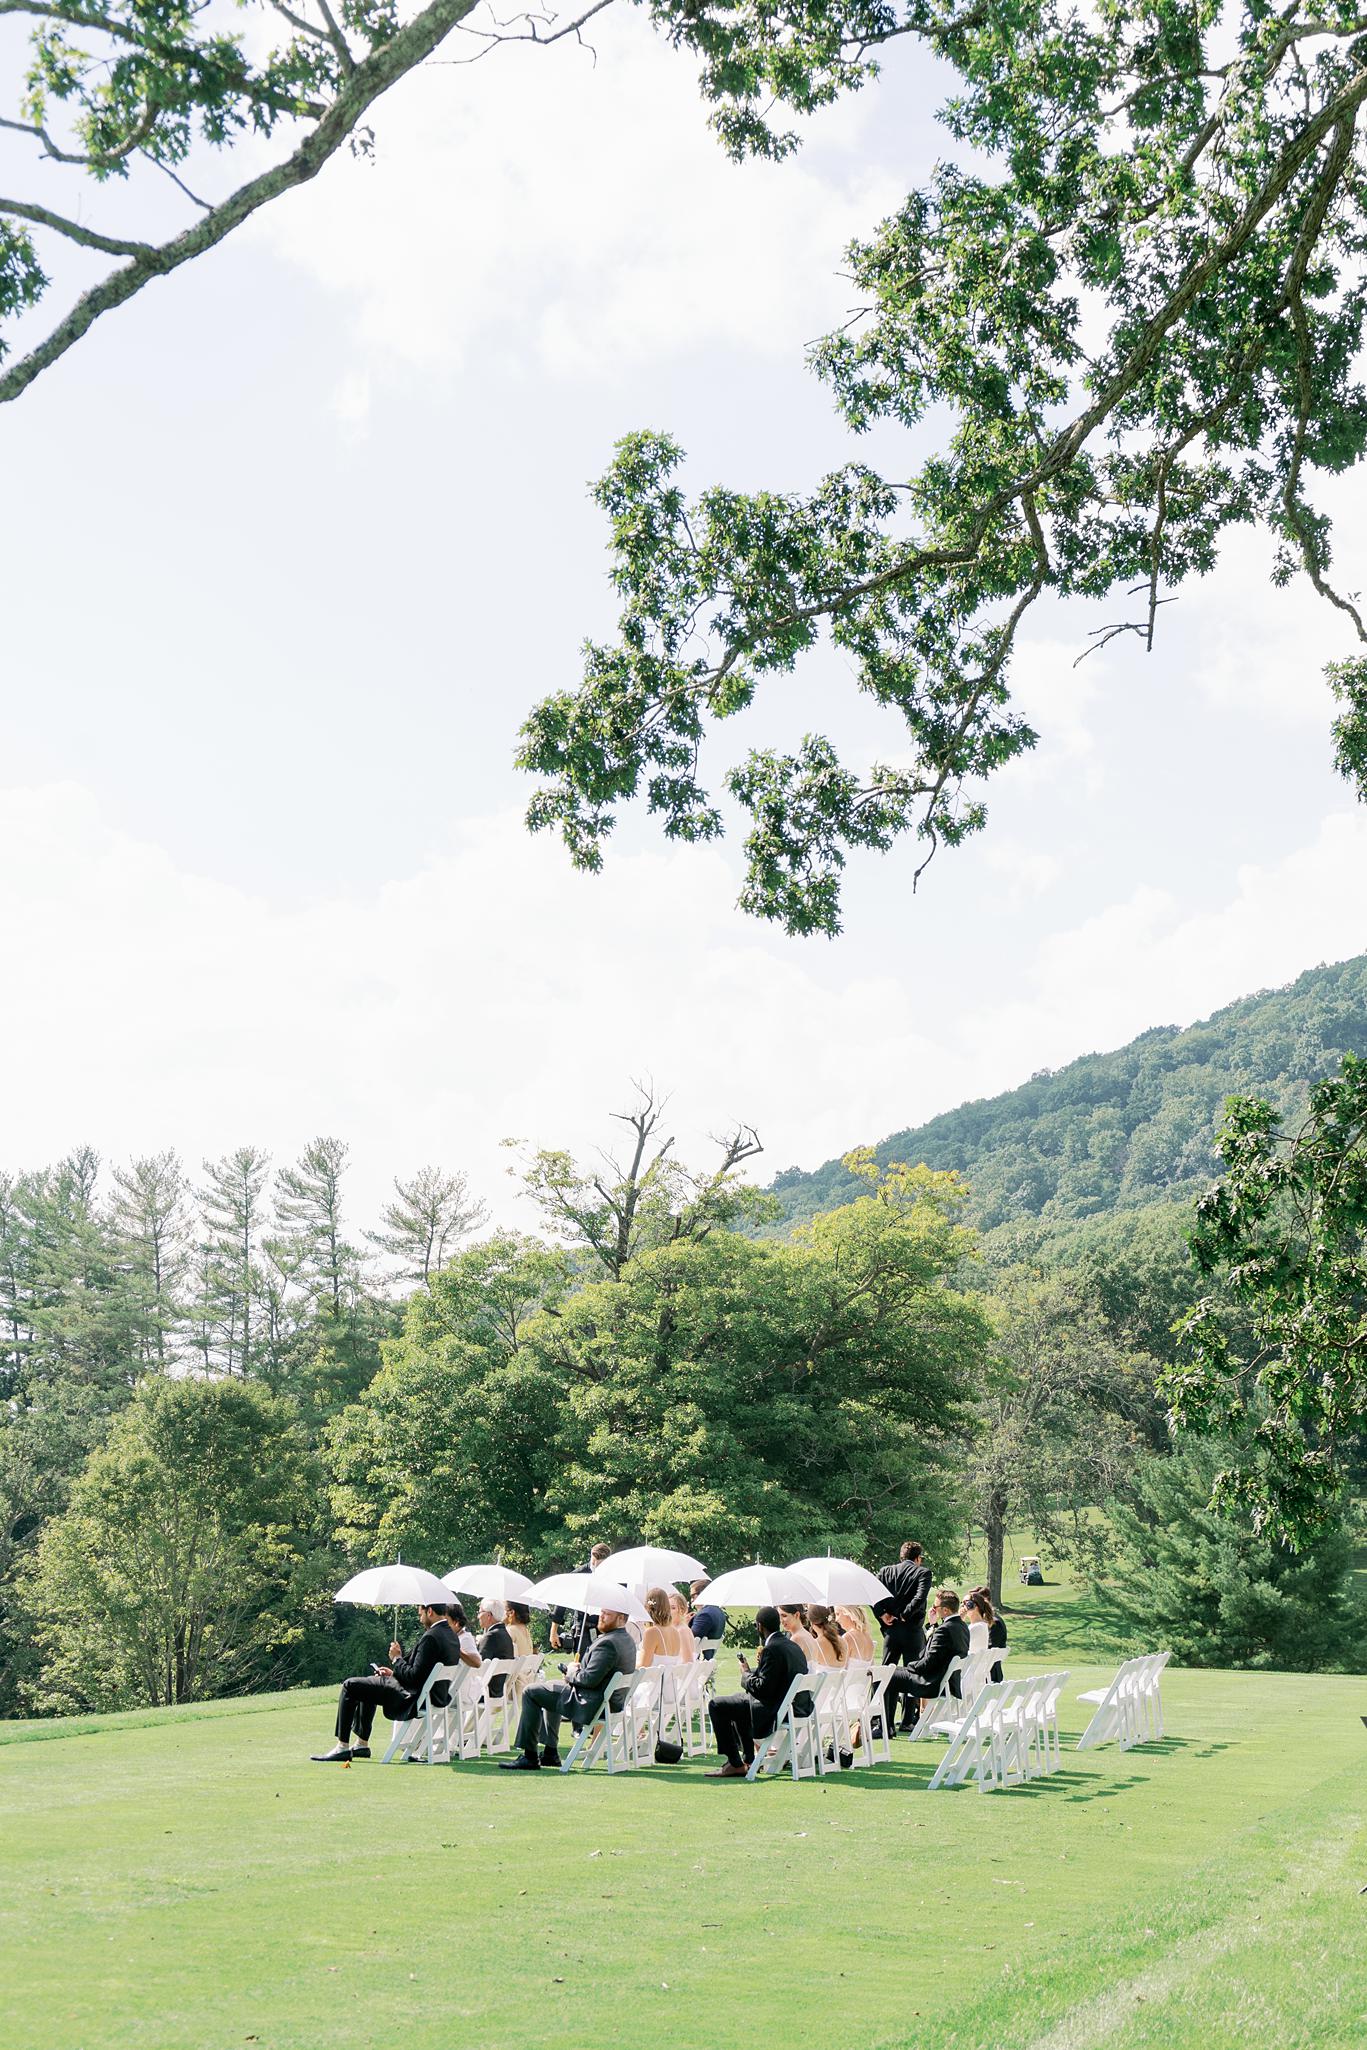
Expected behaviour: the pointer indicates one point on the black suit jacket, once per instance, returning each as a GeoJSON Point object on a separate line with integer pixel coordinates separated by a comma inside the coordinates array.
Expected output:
{"type": "Point", "coordinates": [780, 1662]}
{"type": "Point", "coordinates": [496, 1644]}
{"type": "Point", "coordinates": [996, 1637]}
{"type": "Point", "coordinates": [438, 1646]}
{"type": "Point", "coordinates": [948, 1640]}
{"type": "Point", "coordinates": [908, 1586]}
{"type": "Point", "coordinates": [612, 1653]}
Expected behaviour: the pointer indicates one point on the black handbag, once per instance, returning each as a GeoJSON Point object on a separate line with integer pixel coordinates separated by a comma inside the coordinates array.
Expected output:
{"type": "Point", "coordinates": [667, 1753]}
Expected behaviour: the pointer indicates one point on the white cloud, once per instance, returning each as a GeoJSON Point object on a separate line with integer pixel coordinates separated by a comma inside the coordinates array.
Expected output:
{"type": "Point", "coordinates": [495, 993]}
{"type": "Point", "coordinates": [576, 216]}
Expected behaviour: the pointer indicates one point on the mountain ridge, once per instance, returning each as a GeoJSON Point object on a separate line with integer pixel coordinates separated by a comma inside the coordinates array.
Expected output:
{"type": "Point", "coordinates": [1121, 1130]}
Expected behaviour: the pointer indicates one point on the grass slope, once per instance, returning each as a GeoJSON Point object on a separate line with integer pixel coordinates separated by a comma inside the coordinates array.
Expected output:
{"type": "Point", "coordinates": [185, 1878]}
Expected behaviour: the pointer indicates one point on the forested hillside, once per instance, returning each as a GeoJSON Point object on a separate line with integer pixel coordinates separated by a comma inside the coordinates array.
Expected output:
{"type": "Point", "coordinates": [1112, 1131]}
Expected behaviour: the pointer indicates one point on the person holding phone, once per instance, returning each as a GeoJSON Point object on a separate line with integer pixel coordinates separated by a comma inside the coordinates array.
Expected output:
{"type": "Point", "coordinates": [395, 1688]}
{"type": "Point", "coordinates": [737, 1719]}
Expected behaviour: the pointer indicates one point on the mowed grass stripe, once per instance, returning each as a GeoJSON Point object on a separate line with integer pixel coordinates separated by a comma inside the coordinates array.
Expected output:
{"type": "Point", "coordinates": [194, 1881]}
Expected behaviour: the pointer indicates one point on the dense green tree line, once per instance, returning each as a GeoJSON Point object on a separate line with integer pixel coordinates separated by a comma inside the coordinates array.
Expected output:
{"type": "Point", "coordinates": [217, 1403]}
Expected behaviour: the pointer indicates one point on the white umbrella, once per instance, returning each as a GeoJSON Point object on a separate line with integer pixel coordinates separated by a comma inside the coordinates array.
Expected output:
{"type": "Point", "coordinates": [590, 1592]}
{"type": "Point", "coordinates": [397, 1586]}
{"type": "Point", "coordinates": [651, 1566]}
{"type": "Point", "coordinates": [761, 1587]}
{"type": "Point", "coordinates": [841, 1580]}
{"type": "Point", "coordinates": [383, 1587]}
{"type": "Point", "coordinates": [501, 1583]}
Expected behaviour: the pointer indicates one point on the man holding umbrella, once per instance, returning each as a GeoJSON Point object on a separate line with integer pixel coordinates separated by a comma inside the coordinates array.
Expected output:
{"type": "Point", "coordinates": [395, 1688]}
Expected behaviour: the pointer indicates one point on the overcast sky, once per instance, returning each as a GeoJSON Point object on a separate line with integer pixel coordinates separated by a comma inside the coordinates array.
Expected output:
{"type": "Point", "coordinates": [291, 544]}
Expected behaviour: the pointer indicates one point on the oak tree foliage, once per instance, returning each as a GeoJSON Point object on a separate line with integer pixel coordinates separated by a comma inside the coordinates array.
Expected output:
{"type": "Point", "coordinates": [1284, 1233]}
{"type": "Point", "coordinates": [1127, 308]}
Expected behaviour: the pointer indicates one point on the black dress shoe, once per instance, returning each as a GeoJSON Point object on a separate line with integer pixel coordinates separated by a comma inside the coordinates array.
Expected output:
{"type": "Point", "coordinates": [550, 1758]}
{"type": "Point", "coordinates": [522, 1763]}
{"type": "Point", "coordinates": [360, 1750]}
{"type": "Point", "coordinates": [340, 1754]}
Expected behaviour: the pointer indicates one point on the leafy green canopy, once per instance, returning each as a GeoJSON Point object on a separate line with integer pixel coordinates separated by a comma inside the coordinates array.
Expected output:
{"type": "Point", "coordinates": [1137, 299]}
{"type": "Point", "coordinates": [112, 85]}
{"type": "Point", "coordinates": [188, 1557]}
{"type": "Point", "coordinates": [1287, 1230]}
{"type": "Point", "coordinates": [744, 1398]}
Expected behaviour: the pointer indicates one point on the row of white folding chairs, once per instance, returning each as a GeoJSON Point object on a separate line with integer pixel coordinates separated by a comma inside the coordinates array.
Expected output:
{"type": "Point", "coordinates": [1131, 1708]}
{"type": "Point", "coordinates": [476, 1716]}
{"type": "Point", "coordinates": [1007, 1734]}
{"type": "Point", "coordinates": [847, 1725]}
{"type": "Point", "coordinates": [964, 1679]}
{"type": "Point", "coordinates": [669, 1701]}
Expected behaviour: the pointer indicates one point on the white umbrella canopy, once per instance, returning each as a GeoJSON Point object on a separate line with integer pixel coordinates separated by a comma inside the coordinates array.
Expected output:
{"type": "Point", "coordinates": [398, 1586]}
{"type": "Point", "coordinates": [841, 1580]}
{"type": "Point", "coordinates": [651, 1566]}
{"type": "Point", "coordinates": [493, 1582]}
{"type": "Point", "coordinates": [591, 1592]}
{"type": "Point", "coordinates": [760, 1587]}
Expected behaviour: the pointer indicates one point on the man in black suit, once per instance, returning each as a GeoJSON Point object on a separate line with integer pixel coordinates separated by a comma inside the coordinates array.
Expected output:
{"type": "Point", "coordinates": [737, 1719]}
{"type": "Point", "coordinates": [903, 1615]}
{"type": "Point", "coordinates": [611, 1656]}
{"type": "Point", "coordinates": [911, 1684]}
{"type": "Point", "coordinates": [494, 1641]}
{"type": "Point", "coordinates": [395, 1688]}
{"type": "Point", "coordinates": [584, 1623]}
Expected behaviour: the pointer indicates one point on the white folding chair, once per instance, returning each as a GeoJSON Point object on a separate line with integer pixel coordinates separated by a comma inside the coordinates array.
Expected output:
{"type": "Point", "coordinates": [1054, 1684]}
{"type": "Point", "coordinates": [1025, 1742]}
{"type": "Point", "coordinates": [944, 1708]}
{"type": "Point", "coordinates": [611, 1735]}
{"type": "Point", "coordinates": [489, 1713]}
{"type": "Point", "coordinates": [702, 1645]}
{"type": "Point", "coordinates": [793, 1741]}
{"type": "Point", "coordinates": [1150, 1693]}
{"type": "Point", "coordinates": [830, 1706]}
{"type": "Point", "coordinates": [864, 1687]}
{"type": "Point", "coordinates": [428, 1733]}
{"type": "Point", "coordinates": [1116, 1711]}
{"type": "Point", "coordinates": [696, 1689]}
{"type": "Point", "coordinates": [975, 1749]}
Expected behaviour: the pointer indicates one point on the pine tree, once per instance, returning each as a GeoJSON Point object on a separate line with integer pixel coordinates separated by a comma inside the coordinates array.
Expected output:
{"type": "Point", "coordinates": [149, 1215]}
{"type": "Point", "coordinates": [308, 1209]}
{"type": "Point", "coordinates": [434, 1211]}
{"type": "Point", "coordinates": [233, 1211]}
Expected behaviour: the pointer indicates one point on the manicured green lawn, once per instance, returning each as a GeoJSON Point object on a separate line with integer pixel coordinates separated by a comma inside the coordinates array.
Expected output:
{"type": "Point", "coordinates": [186, 1878]}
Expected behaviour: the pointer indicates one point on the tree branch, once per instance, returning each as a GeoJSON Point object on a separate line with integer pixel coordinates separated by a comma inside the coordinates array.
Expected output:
{"type": "Point", "coordinates": [43, 217]}
{"type": "Point", "coordinates": [372, 77]}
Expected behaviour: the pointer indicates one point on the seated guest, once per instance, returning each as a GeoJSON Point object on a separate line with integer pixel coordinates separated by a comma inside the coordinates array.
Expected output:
{"type": "Point", "coordinates": [395, 1688]}
{"type": "Point", "coordinates": [737, 1719]}
{"type": "Point", "coordinates": [707, 1621]}
{"type": "Point", "coordinates": [494, 1640]}
{"type": "Point", "coordinates": [793, 1623]}
{"type": "Point", "coordinates": [996, 1626]}
{"type": "Point", "coordinates": [660, 1637]}
{"type": "Point", "coordinates": [858, 1635]}
{"type": "Point", "coordinates": [519, 1625]}
{"type": "Point", "coordinates": [612, 1655]}
{"type": "Point", "coordinates": [827, 1635]}
{"type": "Point", "coordinates": [469, 1650]}
{"type": "Point", "coordinates": [678, 1617]}
{"type": "Point", "coordinates": [975, 1617]}
{"type": "Point", "coordinates": [947, 1641]}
